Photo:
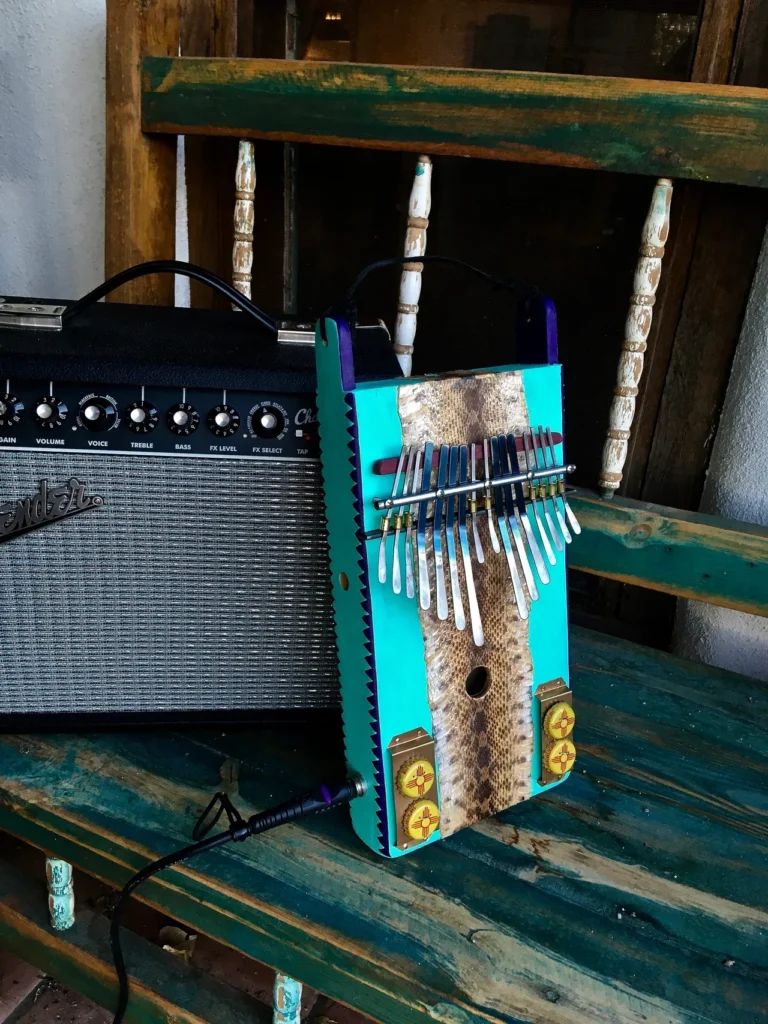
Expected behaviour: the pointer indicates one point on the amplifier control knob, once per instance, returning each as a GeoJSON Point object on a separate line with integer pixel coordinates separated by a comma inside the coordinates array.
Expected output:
{"type": "Point", "coordinates": [142, 417]}
{"type": "Point", "coordinates": [50, 412]}
{"type": "Point", "coordinates": [98, 414]}
{"type": "Point", "coordinates": [183, 419]}
{"type": "Point", "coordinates": [267, 421]}
{"type": "Point", "coordinates": [10, 410]}
{"type": "Point", "coordinates": [223, 420]}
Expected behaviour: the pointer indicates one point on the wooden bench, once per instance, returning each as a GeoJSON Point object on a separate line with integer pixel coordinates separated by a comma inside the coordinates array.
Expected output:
{"type": "Point", "coordinates": [637, 891]}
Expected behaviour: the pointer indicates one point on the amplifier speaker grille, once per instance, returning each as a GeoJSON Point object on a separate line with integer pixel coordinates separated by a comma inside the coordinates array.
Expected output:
{"type": "Point", "coordinates": [201, 584]}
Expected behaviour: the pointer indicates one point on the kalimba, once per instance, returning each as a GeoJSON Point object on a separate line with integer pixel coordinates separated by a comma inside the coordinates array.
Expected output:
{"type": "Point", "coordinates": [448, 520]}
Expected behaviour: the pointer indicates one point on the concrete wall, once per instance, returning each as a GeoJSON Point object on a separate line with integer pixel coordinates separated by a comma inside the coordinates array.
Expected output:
{"type": "Point", "coordinates": [737, 487]}
{"type": "Point", "coordinates": [51, 146]}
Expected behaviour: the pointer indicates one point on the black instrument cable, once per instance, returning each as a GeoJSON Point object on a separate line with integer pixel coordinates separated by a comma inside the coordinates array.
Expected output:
{"type": "Point", "coordinates": [314, 802]}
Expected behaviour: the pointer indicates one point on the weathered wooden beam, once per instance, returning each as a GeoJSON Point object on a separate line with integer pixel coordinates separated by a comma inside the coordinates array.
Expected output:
{"type": "Point", "coordinates": [209, 29]}
{"type": "Point", "coordinates": [677, 129]}
{"type": "Point", "coordinates": [687, 554]}
{"type": "Point", "coordinates": [140, 200]}
{"type": "Point", "coordinates": [163, 988]}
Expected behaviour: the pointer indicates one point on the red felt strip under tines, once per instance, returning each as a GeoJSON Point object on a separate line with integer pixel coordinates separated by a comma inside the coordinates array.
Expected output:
{"type": "Point", "coordinates": [388, 467]}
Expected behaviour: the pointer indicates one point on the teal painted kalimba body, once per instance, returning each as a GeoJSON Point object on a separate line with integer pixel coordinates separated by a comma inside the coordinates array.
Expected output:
{"type": "Point", "coordinates": [455, 693]}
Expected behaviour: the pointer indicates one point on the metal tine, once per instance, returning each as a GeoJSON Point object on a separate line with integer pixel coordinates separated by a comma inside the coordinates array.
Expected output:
{"type": "Point", "coordinates": [488, 501]}
{"type": "Point", "coordinates": [517, 586]}
{"type": "Point", "coordinates": [400, 517]}
{"type": "Point", "coordinates": [517, 537]}
{"type": "Point", "coordinates": [514, 467]}
{"type": "Point", "coordinates": [437, 537]}
{"type": "Point", "coordinates": [532, 493]}
{"type": "Point", "coordinates": [561, 488]}
{"type": "Point", "coordinates": [474, 609]}
{"type": "Point", "coordinates": [543, 493]}
{"type": "Point", "coordinates": [410, 588]}
{"type": "Point", "coordinates": [385, 523]}
{"type": "Point", "coordinates": [473, 504]}
{"type": "Point", "coordinates": [552, 489]}
{"type": "Point", "coordinates": [425, 598]}
{"type": "Point", "coordinates": [458, 604]}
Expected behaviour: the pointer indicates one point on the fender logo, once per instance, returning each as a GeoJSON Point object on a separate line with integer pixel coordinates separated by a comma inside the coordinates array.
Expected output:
{"type": "Point", "coordinates": [47, 506]}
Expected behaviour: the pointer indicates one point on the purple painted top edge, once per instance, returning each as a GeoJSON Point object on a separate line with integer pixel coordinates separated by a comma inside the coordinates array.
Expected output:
{"type": "Point", "coordinates": [550, 330]}
{"type": "Point", "coordinates": [537, 332]}
{"type": "Point", "coordinates": [346, 358]}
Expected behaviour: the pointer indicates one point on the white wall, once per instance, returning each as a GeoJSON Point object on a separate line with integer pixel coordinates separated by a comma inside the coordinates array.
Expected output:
{"type": "Point", "coordinates": [737, 487]}
{"type": "Point", "coordinates": [51, 146]}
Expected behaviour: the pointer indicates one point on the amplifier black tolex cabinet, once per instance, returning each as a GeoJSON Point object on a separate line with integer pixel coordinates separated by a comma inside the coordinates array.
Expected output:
{"type": "Point", "coordinates": [162, 535]}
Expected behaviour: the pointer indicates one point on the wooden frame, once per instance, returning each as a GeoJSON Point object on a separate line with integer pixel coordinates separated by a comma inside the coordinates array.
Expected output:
{"type": "Point", "coordinates": [676, 129]}
{"type": "Point", "coordinates": [711, 132]}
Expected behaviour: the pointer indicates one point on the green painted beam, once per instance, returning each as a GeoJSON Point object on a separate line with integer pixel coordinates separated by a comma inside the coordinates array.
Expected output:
{"type": "Point", "coordinates": [688, 554]}
{"type": "Point", "coordinates": [637, 890]}
{"type": "Point", "coordinates": [678, 129]}
{"type": "Point", "coordinates": [163, 988]}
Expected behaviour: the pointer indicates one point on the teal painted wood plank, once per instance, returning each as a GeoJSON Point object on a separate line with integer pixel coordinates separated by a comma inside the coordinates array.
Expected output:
{"type": "Point", "coordinates": [616, 897]}
{"type": "Point", "coordinates": [688, 554]}
{"type": "Point", "coordinates": [680, 129]}
{"type": "Point", "coordinates": [163, 988]}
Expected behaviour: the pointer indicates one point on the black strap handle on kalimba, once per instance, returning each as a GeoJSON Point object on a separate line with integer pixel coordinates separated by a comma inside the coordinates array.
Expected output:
{"type": "Point", "coordinates": [172, 267]}
{"type": "Point", "coordinates": [348, 309]}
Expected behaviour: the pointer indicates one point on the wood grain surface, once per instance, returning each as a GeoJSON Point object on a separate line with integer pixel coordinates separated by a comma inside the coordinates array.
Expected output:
{"type": "Point", "coordinates": [687, 554]}
{"type": "Point", "coordinates": [209, 29]}
{"type": "Point", "coordinates": [636, 891]}
{"type": "Point", "coordinates": [676, 129]}
{"type": "Point", "coordinates": [140, 200]}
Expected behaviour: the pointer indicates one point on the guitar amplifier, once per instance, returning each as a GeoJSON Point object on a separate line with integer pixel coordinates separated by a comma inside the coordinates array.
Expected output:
{"type": "Point", "coordinates": [163, 548]}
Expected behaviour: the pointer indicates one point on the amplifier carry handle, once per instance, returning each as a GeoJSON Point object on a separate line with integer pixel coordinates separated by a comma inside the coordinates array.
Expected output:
{"type": "Point", "coordinates": [173, 267]}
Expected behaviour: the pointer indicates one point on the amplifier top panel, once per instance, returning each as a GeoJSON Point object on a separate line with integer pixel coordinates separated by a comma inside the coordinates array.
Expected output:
{"type": "Point", "coordinates": [154, 345]}
{"type": "Point", "coordinates": [104, 418]}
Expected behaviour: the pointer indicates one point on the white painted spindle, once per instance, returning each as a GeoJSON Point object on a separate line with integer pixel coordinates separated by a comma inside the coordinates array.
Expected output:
{"type": "Point", "coordinates": [415, 245]}
{"type": "Point", "coordinates": [286, 999]}
{"type": "Point", "coordinates": [245, 187]}
{"type": "Point", "coordinates": [61, 893]}
{"type": "Point", "coordinates": [638, 326]}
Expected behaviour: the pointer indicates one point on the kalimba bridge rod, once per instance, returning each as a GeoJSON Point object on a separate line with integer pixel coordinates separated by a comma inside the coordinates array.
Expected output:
{"type": "Point", "coordinates": [446, 492]}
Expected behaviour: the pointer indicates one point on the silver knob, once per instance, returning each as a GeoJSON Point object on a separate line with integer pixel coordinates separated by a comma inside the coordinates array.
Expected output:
{"type": "Point", "coordinates": [268, 421]}
{"type": "Point", "coordinates": [92, 412]}
{"type": "Point", "coordinates": [222, 419]}
{"type": "Point", "coordinates": [3, 408]}
{"type": "Point", "coordinates": [180, 418]}
{"type": "Point", "coordinates": [138, 415]}
{"type": "Point", "coordinates": [44, 411]}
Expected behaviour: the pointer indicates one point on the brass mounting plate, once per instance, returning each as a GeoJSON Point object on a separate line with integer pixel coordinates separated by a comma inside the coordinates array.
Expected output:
{"type": "Point", "coordinates": [415, 743]}
{"type": "Point", "coordinates": [547, 694]}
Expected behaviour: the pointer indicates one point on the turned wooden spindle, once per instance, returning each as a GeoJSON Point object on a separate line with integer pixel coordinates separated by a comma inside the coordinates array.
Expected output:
{"type": "Point", "coordinates": [61, 893]}
{"type": "Point", "coordinates": [638, 326]}
{"type": "Point", "coordinates": [245, 187]}
{"type": "Point", "coordinates": [415, 245]}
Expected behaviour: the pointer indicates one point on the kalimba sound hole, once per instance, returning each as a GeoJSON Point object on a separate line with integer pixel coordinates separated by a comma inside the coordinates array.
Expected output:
{"type": "Point", "coordinates": [477, 682]}
{"type": "Point", "coordinates": [343, 581]}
